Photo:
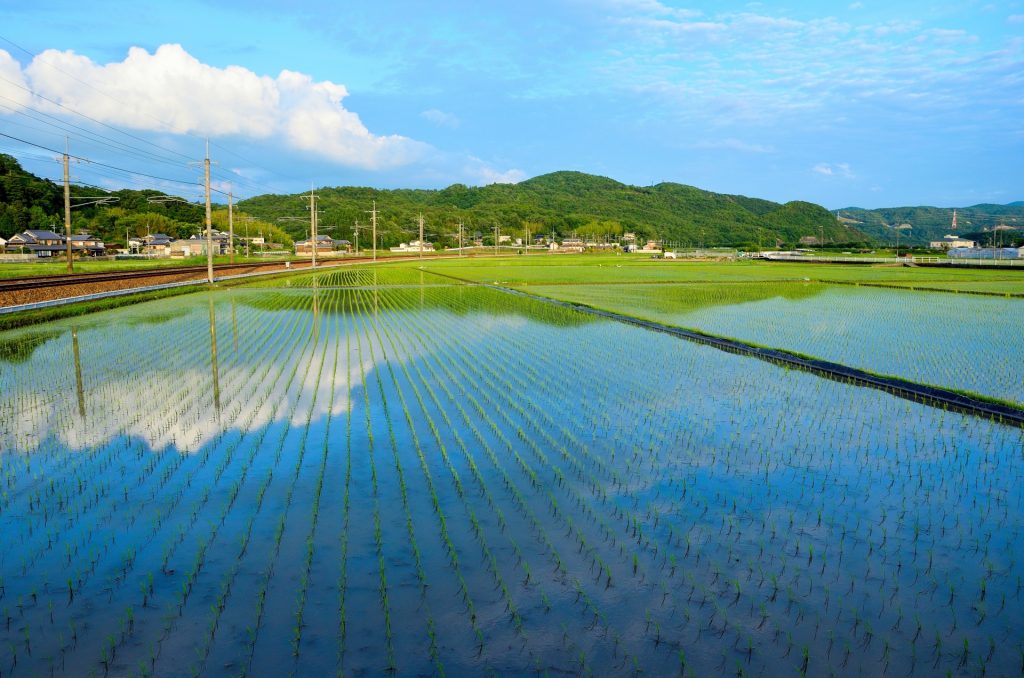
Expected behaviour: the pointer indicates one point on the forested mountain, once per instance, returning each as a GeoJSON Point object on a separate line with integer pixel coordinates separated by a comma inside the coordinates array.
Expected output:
{"type": "Point", "coordinates": [562, 203]}
{"type": "Point", "coordinates": [931, 223]}
{"type": "Point", "coordinates": [566, 203]}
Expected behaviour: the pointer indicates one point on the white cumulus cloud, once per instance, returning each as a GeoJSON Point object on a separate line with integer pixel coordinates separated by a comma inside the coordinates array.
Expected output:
{"type": "Point", "coordinates": [170, 90]}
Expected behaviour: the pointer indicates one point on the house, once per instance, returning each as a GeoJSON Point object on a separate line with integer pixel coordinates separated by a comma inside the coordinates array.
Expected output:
{"type": "Point", "coordinates": [189, 247]}
{"type": "Point", "coordinates": [153, 244]}
{"type": "Point", "coordinates": [324, 244]}
{"type": "Point", "coordinates": [949, 242]}
{"type": "Point", "coordinates": [414, 246]}
{"type": "Point", "coordinates": [219, 238]}
{"type": "Point", "coordinates": [87, 245]}
{"type": "Point", "coordinates": [651, 247]}
{"type": "Point", "coordinates": [3, 245]}
{"type": "Point", "coordinates": [40, 243]}
{"type": "Point", "coordinates": [571, 245]}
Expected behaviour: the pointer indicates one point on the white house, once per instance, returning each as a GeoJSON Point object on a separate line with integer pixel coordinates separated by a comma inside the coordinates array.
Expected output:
{"type": "Point", "coordinates": [949, 242]}
{"type": "Point", "coordinates": [414, 246]}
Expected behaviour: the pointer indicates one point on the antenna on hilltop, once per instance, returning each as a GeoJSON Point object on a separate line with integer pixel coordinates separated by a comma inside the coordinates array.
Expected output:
{"type": "Point", "coordinates": [954, 220]}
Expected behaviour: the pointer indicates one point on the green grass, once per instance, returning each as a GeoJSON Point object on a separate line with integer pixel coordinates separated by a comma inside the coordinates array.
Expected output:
{"type": "Point", "coordinates": [12, 321]}
{"type": "Point", "coordinates": [607, 269]}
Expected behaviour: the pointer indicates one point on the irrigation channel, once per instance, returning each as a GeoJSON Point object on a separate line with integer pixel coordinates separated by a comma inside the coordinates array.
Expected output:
{"type": "Point", "coordinates": [363, 470]}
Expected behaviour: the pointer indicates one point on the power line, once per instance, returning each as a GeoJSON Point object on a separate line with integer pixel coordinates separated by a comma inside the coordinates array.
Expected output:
{"type": "Point", "coordinates": [64, 126]}
{"type": "Point", "coordinates": [112, 167]}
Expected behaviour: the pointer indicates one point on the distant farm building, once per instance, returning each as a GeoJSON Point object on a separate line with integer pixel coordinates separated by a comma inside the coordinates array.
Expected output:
{"type": "Point", "coordinates": [985, 253]}
{"type": "Point", "coordinates": [414, 246]}
{"type": "Point", "coordinates": [950, 242]}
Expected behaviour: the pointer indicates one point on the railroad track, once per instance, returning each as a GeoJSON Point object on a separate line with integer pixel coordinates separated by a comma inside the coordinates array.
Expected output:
{"type": "Point", "coordinates": [37, 282]}
{"type": "Point", "coordinates": [67, 279]}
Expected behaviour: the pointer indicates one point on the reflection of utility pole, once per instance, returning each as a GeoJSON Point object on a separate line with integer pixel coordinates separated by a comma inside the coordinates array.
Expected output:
{"type": "Point", "coordinates": [213, 359]}
{"type": "Point", "coordinates": [234, 325]}
{"type": "Point", "coordinates": [78, 372]}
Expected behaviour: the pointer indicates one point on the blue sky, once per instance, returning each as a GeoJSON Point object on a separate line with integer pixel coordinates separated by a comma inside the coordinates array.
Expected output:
{"type": "Point", "coordinates": [863, 103]}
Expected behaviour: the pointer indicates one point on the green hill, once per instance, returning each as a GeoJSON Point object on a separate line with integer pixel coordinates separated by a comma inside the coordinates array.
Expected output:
{"type": "Point", "coordinates": [931, 223]}
{"type": "Point", "coordinates": [566, 203]}
{"type": "Point", "coordinates": [563, 203]}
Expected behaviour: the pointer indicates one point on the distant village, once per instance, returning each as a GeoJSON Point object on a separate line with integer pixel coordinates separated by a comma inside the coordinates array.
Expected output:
{"type": "Point", "coordinates": [41, 244]}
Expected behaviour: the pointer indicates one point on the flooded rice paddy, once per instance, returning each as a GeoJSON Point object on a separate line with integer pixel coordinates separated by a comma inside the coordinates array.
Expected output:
{"type": "Point", "coordinates": [355, 477]}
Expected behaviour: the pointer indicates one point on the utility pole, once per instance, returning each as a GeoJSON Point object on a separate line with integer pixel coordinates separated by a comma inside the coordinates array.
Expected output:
{"type": "Point", "coordinates": [355, 231]}
{"type": "Point", "coordinates": [527, 239]}
{"type": "Point", "coordinates": [312, 197]}
{"type": "Point", "coordinates": [373, 221]}
{"type": "Point", "coordinates": [462, 252]}
{"type": "Point", "coordinates": [420, 220]}
{"type": "Point", "coordinates": [231, 228]}
{"type": "Point", "coordinates": [312, 224]}
{"type": "Point", "coordinates": [497, 234]}
{"type": "Point", "coordinates": [67, 202]}
{"type": "Point", "coordinates": [209, 216]}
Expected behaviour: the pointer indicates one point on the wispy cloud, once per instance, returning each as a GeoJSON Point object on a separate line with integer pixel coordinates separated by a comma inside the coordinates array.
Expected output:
{"type": "Point", "coordinates": [761, 67]}
{"type": "Point", "coordinates": [734, 145]}
{"type": "Point", "coordinates": [840, 169]}
{"type": "Point", "coordinates": [440, 118]}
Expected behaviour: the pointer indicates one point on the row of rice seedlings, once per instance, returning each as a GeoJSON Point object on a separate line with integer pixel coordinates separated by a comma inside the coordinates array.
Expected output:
{"type": "Point", "coordinates": [317, 491]}
{"type": "Point", "coordinates": [398, 347]}
{"type": "Point", "coordinates": [281, 408]}
{"type": "Point", "coordinates": [218, 608]}
{"type": "Point", "coordinates": [265, 580]}
{"type": "Point", "coordinates": [485, 444]}
{"type": "Point", "coordinates": [442, 518]}
{"type": "Point", "coordinates": [421, 574]}
{"type": "Point", "coordinates": [452, 427]}
{"type": "Point", "coordinates": [378, 540]}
